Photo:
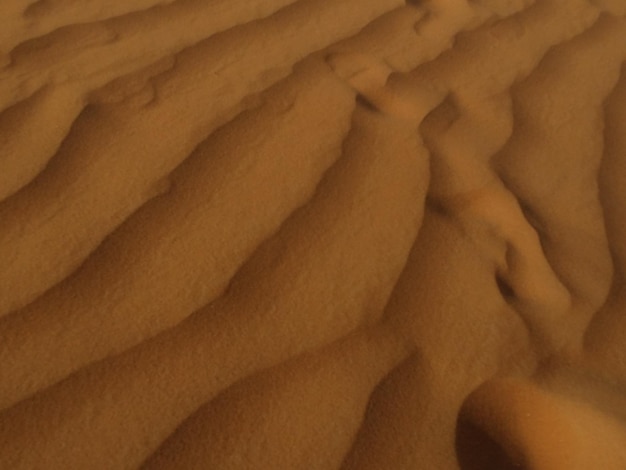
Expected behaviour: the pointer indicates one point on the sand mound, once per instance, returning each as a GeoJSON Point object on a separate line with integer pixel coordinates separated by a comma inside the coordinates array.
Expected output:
{"type": "Point", "coordinates": [313, 234]}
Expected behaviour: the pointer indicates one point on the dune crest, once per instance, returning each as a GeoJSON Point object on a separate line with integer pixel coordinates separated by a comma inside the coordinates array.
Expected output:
{"type": "Point", "coordinates": [312, 234]}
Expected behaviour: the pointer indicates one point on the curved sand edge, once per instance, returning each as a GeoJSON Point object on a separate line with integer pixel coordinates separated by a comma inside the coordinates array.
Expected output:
{"type": "Point", "coordinates": [310, 234]}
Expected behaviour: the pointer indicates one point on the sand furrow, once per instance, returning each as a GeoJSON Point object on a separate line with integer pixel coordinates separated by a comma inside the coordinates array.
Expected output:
{"type": "Point", "coordinates": [402, 42]}
{"type": "Point", "coordinates": [411, 35]}
{"type": "Point", "coordinates": [69, 69]}
{"type": "Point", "coordinates": [49, 115]}
{"type": "Point", "coordinates": [89, 55]}
{"type": "Point", "coordinates": [552, 162]}
{"type": "Point", "coordinates": [605, 336]}
{"type": "Point", "coordinates": [507, 50]}
{"type": "Point", "coordinates": [95, 183]}
{"type": "Point", "coordinates": [324, 393]}
{"type": "Point", "coordinates": [293, 234]}
{"type": "Point", "coordinates": [405, 37]}
{"type": "Point", "coordinates": [274, 310]}
{"type": "Point", "coordinates": [24, 21]}
{"type": "Point", "coordinates": [465, 331]}
{"type": "Point", "coordinates": [221, 205]}
{"type": "Point", "coordinates": [472, 126]}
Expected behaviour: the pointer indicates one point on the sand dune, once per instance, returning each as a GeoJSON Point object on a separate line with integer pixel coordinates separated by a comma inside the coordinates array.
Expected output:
{"type": "Point", "coordinates": [312, 234]}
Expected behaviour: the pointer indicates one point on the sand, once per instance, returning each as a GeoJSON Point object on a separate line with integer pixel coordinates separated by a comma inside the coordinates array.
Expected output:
{"type": "Point", "coordinates": [313, 234]}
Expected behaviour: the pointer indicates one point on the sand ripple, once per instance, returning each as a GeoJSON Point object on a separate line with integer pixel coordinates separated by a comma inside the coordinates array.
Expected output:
{"type": "Point", "coordinates": [279, 234]}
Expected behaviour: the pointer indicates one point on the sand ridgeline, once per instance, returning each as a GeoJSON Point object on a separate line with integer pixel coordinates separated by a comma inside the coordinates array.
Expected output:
{"type": "Point", "coordinates": [311, 234]}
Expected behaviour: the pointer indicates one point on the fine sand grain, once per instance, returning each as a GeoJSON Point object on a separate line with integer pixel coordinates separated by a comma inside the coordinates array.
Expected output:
{"type": "Point", "coordinates": [313, 234]}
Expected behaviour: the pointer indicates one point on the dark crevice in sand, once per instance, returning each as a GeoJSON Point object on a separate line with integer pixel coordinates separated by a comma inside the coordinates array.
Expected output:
{"type": "Point", "coordinates": [575, 270]}
{"type": "Point", "coordinates": [378, 411]}
{"type": "Point", "coordinates": [505, 288]}
{"type": "Point", "coordinates": [476, 450]}
{"type": "Point", "coordinates": [537, 227]}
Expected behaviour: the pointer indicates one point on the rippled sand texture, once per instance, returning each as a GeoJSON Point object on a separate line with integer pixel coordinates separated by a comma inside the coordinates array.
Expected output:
{"type": "Point", "coordinates": [313, 234]}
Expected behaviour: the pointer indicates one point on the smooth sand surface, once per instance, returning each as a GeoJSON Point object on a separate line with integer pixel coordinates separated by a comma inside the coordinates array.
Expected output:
{"type": "Point", "coordinates": [313, 234]}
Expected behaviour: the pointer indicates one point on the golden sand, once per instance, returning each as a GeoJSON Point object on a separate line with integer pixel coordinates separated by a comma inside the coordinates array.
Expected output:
{"type": "Point", "coordinates": [313, 234]}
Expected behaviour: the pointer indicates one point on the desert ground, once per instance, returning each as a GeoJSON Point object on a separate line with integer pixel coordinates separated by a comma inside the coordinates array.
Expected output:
{"type": "Point", "coordinates": [313, 234]}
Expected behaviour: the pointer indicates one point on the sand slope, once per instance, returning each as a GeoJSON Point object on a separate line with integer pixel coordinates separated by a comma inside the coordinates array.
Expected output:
{"type": "Point", "coordinates": [312, 234]}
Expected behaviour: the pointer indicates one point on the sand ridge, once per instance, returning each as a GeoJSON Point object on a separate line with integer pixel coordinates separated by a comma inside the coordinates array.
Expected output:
{"type": "Point", "coordinates": [310, 234]}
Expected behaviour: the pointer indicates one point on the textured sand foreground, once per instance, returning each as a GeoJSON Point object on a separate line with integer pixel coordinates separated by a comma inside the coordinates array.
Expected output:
{"type": "Point", "coordinates": [313, 234]}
